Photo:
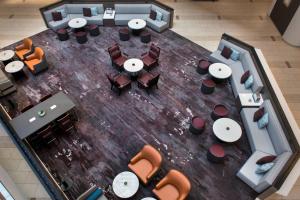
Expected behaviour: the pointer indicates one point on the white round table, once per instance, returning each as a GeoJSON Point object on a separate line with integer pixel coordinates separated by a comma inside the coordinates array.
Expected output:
{"type": "Point", "coordinates": [227, 130]}
{"type": "Point", "coordinates": [219, 71]}
{"type": "Point", "coordinates": [125, 184]}
{"type": "Point", "coordinates": [137, 25]}
{"type": "Point", "coordinates": [15, 68]}
{"type": "Point", "coordinates": [77, 23]}
{"type": "Point", "coordinates": [133, 66]}
{"type": "Point", "coordinates": [148, 198]}
{"type": "Point", "coordinates": [6, 56]}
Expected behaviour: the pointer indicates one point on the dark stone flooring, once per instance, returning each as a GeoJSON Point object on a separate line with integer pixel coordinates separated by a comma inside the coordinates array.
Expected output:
{"type": "Point", "coordinates": [112, 129]}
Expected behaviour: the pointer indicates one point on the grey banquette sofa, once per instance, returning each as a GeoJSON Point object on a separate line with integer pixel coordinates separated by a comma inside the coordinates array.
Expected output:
{"type": "Point", "coordinates": [270, 140]}
{"type": "Point", "coordinates": [124, 13]}
{"type": "Point", "coordinates": [73, 11]}
{"type": "Point", "coordinates": [238, 67]}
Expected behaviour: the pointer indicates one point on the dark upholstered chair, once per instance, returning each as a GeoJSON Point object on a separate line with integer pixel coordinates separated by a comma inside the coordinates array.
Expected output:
{"type": "Point", "coordinates": [208, 86]}
{"type": "Point", "coordinates": [150, 59]}
{"type": "Point", "coordinates": [197, 125]}
{"type": "Point", "coordinates": [47, 134]}
{"type": "Point", "coordinates": [203, 66]}
{"type": "Point", "coordinates": [124, 34]}
{"type": "Point", "coordinates": [148, 80]}
{"type": "Point", "coordinates": [117, 57]}
{"type": "Point", "coordinates": [216, 153]}
{"type": "Point", "coordinates": [47, 96]}
{"type": "Point", "coordinates": [174, 186]}
{"type": "Point", "coordinates": [36, 62]}
{"type": "Point", "coordinates": [119, 82]}
{"type": "Point", "coordinates": [146, 163]}
{"type": "Point", "coordinates": [81, 37]}
{"type": "Point", "coordinates": [219, 111]}
{"type": "Point", "coordinates": [26, 108]}
{"type": "Point", "coordinates": [24, 49]}
{"type": "Point", "coordinates": [66, 123]}
{"type": "Point", "coordinates": [145, 36]}
{"type": "Point", "coordinates": [94, 30]}
{"type": "Point", "coordinates": [62, 34]}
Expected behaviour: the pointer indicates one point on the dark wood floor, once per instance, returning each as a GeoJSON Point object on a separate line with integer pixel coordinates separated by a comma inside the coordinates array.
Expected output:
{"type": "Point", "coordinates": [112, 129]}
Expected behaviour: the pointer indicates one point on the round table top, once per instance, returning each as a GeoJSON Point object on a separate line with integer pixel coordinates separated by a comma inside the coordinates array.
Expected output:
{"type": "Point", "coordinates": [14, 66]}
{"type": "Point", "coordinates": [220, 70]}
{"type": "Point", "coordinates": [227, 130]}
{"type": "Point", "coordinates": [77, 23]}
{"type": "Point", "coordinates": [133, 65]}
{"type": "Point", "coordinates": [6, 55]}
{"type": "Point", "coordinates": [137, 24]}
{"type": "Point", "coordinates": [148, 198]}
{"type": "Point", "coordinates": [125, 184]}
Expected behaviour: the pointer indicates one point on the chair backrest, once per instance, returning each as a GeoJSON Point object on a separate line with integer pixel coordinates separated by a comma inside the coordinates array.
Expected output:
{"type": "Point", "coordinates": [65, 122]}
{"type": "Point", "coordinates": [45, 132]}
{"type": "Point", "coordinates": [113, 48]}
{"type": "Point", "coordinates": [156, 49]}
{"type": "Point", "coordinates": [154, 80]}
{"type": "Point", "coordinates": [180, 181]}
{"type": "Point", "coordinates": [39, 53]}
{"type": "Point", "coordinates": [27, 43]}
{"type": "Point", "coordinates": [152, 155]}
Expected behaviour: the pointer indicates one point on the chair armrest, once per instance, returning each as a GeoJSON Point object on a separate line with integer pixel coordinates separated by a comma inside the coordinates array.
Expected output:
{"type": "Point", "coordinates": [136, 158]}
{"type": "Point", "coordinates": [152, 173]}
{"type": "Point", "coordinates": [162, 183]}
{"type": "Point", "coordinates": [30, 57]}
{"type": "Point", "coordinates": [20, 47]}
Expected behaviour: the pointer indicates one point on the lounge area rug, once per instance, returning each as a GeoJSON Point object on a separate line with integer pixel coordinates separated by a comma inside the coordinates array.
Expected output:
{"type": "Point", "coordinates": [112, 129]}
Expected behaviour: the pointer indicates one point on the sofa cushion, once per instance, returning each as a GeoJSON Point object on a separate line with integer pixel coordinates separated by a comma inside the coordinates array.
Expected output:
{"type": "Point", "coordinates": [237, 72]}
{"type": "Point", "coordinates": [95, 195]}
{"type": "Point", "coordinates": [235, 55]}
{"type": "Point", "coordinates": [264, 168]}
{"type": "Point", "coordinates": [55, 25]}
{"type": "Point", "coordinates": [87, 12]}
{"type": "Point", "coordinates": [249, 82]}
{"type": "Point", "coordinates": [77, 8]}
{"type": "Point", "coordinates": [217, 57]}
{"type": "Point", "coordinates": [132, 8]}
{"type": "Point", "coordinates": [48, 15]}
{"type": "Point", "coordinates": [231, 45]}
{"type": "Point", "coordinates": [63, 12]}
{"type": "Point", "coordinates": [166, 14]}
{"type": "Point", "coordinates": [152, 15]}
{"type": "Point", "coordinates": [259, 139]}
{"type": "Point", "coordinates": [263, 121]}
{"type": "Point", "coordinates": [56, 16]}
{"type": "Point", "coordinates": [245, 76]}
{"type": "Point", "coordinates": [266, 159]}
{"type": "Point", "coordinates": [159, 16]}
{"type": "Point", "coordinates": [258, 114]}
{"type": "Point", "coordinates": [275, 130]}
{"type": "Point", "coordinates": [123, 19]}
{"type": "Point", "coordinates": [226, 52]}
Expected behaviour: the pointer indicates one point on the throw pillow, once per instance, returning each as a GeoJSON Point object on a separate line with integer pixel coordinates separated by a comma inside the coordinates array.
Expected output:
{"type": "Point", "coordinates": [266, 159]}
{"type": "Point", "coordinates": [261, 169]}
{"type": "Point", "coordinates": [95, 195]}
{"type": "Point", "coordinates": [249, 82]}
{"type": "Point", "coordinates": [258, 114]}
{"type": "Point", "coordinates": [63, 12]}
{"type": "Point", "coordinates": [152, 15]}
{"type": "Point", "coordinates": [56, 16]}
{"type": "Point", "coordinates": [87, 12]}
{"type": "Point", "coordinates": [94, 11]}
{"type": "Point", "coordinates": [245, 76]}
{"type": "Point", "coordinates": [263, 122]}
{"type": "Point", "coordinates": [226, 52]}
{"type": "Point", "coordinates": [159, 16]}
{"type": "Point", "coordinates": [235, 55]}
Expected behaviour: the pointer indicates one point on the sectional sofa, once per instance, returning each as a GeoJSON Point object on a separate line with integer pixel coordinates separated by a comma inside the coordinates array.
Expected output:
{"type": "Point", "coordinates": [270, 140]}
{"type": "Point", "coordinates": [123, 13]}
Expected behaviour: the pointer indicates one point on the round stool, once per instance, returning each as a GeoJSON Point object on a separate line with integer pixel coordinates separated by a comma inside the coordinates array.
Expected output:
{"type": "Point", "coordinates": [94, 30]}
{"type": "Point", "coordinates": [62, 34]}
{"type": "Point", "coordinates": [197, 125]}
{"type": "Point", "coordinates": [145, 37]}
{"type": "Point", "coordinates": [220, 111]}
{"type": "Point", "coordinates": [203, 66]}
{"type": "Point", "coordinates": [81, 37]}
{"type": "Point", "coordinates": [216, 153]}
{"type": "Point", "coordinates": [208, 86]}
{"type": "Point", "coordinates": [124, 34]}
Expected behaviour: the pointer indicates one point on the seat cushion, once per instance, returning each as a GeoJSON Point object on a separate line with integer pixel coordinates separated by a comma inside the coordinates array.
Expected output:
{"type": "Point", "coordinates": [142, 169]}
{"type": "Point", "coordinates": [120, 60]}
{"type": "Point", "coordinates": [21, 53]}
{"type": "Point", "coordinates": [237, 72]}
{"type": "Point", "coordinates": [55, 25]}
{"type": "Point", "coordinates": [217, 57]}
{"type": "Point", "coordinates": [123, 19]}
{"type": "Point", "coordinates": [167, 192]}
{"type": "Point", "coordinates": [158, 26]}
{"type": "Point", "coordinates": [145, 78]}
{"type": "Point", "coordinates": [147, 60]}
{"type": "Point", "coordinates": [122, 80]}
{"type": "Point", "coordinates": [30, 64]}
{"type": "Point", "coordinates": [259, 139]}
{"type": "Point", "coordinates": [132, 8]}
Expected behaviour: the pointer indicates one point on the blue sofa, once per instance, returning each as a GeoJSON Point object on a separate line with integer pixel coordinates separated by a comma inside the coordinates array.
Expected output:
{"type": "Point", "coordinates": [94, 193]}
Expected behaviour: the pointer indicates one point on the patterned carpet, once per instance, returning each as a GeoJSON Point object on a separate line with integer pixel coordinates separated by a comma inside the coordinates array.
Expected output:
{"type": "Point", "coordinates": [112, 129]}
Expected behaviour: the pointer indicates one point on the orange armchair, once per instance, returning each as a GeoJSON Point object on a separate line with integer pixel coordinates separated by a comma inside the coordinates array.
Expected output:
{"type": "Point", "coordinates": [36, 62]}
{"type": "Point", "coordinates": [146, 163]}
{"type": "Point", "coordinates": [174, 186]}
{"type": "Point", "coordinates": [24, 49]}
